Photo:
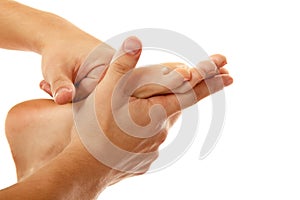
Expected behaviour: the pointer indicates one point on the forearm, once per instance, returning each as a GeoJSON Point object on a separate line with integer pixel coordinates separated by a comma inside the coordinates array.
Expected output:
{"type": "Point", "coordinates": [21, 27]}
{"type": "Point", "coordinates": [26, 28]}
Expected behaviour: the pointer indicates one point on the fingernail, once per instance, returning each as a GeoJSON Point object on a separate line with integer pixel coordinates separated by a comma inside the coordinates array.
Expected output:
{"type": "Point", "coordinates": [43, 86]}
{"type": "Point", "coordinates": [62, 90]}
{"type": "Point", "coordinates": [132, 45]}
{"type": "Point", "coordinates": [207, 68]}
{"type": "Point", "coordinates": [227, 80]}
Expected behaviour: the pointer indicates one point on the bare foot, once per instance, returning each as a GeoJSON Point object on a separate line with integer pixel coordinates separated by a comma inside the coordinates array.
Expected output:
{"type": "Point", "coordinates": [39, 130]}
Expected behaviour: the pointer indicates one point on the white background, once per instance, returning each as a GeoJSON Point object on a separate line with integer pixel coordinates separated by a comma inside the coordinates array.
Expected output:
{"type": "Point", "coordinates": [259, 152]}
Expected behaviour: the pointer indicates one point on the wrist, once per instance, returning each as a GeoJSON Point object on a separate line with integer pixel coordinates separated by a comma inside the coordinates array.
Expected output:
{"type": "Point", "coordinates": [59, 34]}
{"type": "Point", "coordinates": [26, 28]}
{"type": "Point", "coordinates": [55, 30]}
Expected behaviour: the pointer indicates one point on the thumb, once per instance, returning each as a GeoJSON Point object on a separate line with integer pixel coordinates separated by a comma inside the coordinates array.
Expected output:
{"type": "Point", "coordinates": [62, 89]}
{"type": "Point", "coordinates": [125, 59]}
{"type": "Point", "coordinates": [58, 74]}
{"type": "Point", "coordinates": [58, 71]}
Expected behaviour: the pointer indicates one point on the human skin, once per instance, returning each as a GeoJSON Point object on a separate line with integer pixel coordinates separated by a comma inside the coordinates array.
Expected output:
{"type": "Point", "coordinates": [46, 33]}
{"type": "Point", "coordinates": [50, 36]}
{"type": "Point", "coordinates": [58, 153]}
{"type": "Point", "coordinates": [34, 127]}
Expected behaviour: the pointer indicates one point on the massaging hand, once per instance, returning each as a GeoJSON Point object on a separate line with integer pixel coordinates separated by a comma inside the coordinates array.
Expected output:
{"type": "Point", "coordinates": [62, 45]}
{"type": "Point", "coordinates": [62, 56]}
{"type": "Point", "coordinates": [124, 132]}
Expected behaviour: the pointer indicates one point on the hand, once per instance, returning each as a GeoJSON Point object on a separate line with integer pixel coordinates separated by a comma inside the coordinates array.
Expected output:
{"type": "Point", "coordinates": [62, 45]}
{"type": "Point", "coordinates": [132, 129]}
{"type": "Point", "coordinates": [64, 53]}
{"type": "Point", "coordinates": [169, 73]}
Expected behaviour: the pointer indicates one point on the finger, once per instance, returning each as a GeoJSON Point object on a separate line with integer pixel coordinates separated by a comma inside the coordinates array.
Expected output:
{"type": "Point", "coordinates": [185, 73]}
{"type": "Point", "coordinates": [181, 68]}
{"type": "Point", "coordinates": [150, 90]}
{"type": "Point", "coordinates": [207, 68]}
{"type": "Point", "coordinates": [176, 102]}
{"type": "Point", "coordinates": [212, 85]}
{"type": "Point", "coordinates": [219, 60]}
{"type": "Point", "coordinates": [87, 84]}
{"type": "Point", "coordinates": [92, 70]}
{"type": "Point", "coordinates": [158, 79]}
{"type": "Point", "coordinates": [63, 90]}
{"type": "Point", "coordinates": [99, 56]}
{"type": "Point", "coordinates": [203, 70]}
{"type": "Point", "coordinates": [59, 77]}
{"type": "Point", "coordinates": [123, 61]}
{"type": "Point", "coordinates": [45, 86]}
{"type": "Point", "coordinates": [223, 71]}
{"type": "Point", "coordinates": [192, 77]}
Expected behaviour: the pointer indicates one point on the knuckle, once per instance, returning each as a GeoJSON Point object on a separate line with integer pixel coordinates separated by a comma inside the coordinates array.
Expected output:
{"type": "Point", "coordinates": [120, 68]}
{"type": "Point", "coordinates": [59, 82]}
